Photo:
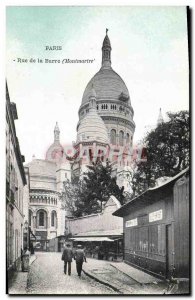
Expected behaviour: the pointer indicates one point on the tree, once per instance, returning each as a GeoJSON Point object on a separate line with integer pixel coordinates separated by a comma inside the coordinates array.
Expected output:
{"type": "Point", "coordinates": [167, 152]}
{"type": "Point", "coordinates": [71, 194]}
{"type": "Point", "coordinates": [89, 194]}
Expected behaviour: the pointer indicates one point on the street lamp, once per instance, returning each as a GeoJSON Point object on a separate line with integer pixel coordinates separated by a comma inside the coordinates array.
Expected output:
{"type": "Point", "coordinates": [26, 226]}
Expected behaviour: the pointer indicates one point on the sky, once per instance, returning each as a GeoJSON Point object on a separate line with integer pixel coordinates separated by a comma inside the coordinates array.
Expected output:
{"type": "Point", "coordinates": [149, 52]}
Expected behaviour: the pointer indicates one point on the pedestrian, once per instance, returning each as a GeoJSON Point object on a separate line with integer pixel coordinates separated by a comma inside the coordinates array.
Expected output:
{"type": "Point", "coordinates": [67, 256]}
{"type": "Point", "coordinates": [80, 258]}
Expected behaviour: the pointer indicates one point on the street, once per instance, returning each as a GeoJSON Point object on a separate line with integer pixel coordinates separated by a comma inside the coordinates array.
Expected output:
{"type": "Point", "coordinates": [47, 276]}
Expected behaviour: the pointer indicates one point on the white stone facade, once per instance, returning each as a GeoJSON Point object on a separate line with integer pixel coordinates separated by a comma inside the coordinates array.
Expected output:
{"type": "Point", "coordinates": [113, 105]}
{"type": "Point", "coordinates": [46, 214]}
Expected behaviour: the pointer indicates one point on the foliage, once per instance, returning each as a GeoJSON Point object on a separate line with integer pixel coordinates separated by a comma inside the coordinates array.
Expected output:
{"type": "Point", "coordinates": [167, 152]}
{"type": "Point", "coordinates": [90, 193]}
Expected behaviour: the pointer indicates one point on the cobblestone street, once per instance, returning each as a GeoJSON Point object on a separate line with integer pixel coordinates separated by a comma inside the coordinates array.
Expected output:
{"type": "Point", "coordinates": [46, 277]}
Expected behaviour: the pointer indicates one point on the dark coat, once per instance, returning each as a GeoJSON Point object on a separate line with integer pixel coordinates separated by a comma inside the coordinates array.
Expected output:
{"type": "Point", "coordinates": [67, 254]}
{"type": "Point", "coordinates": [80, 255]}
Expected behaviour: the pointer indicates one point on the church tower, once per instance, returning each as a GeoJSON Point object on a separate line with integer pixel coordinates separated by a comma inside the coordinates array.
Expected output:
{"type": "Point", "coordinates": [55, 151]}
{"type": "Point", "coordinates": [113, 105]}
{"type": "Point", "coordinates": [113, 100]}
{"type": "Point", "coordinates": [160, 118]}
{"type": "Point", "coordinates": [92, 137]}
{"type": "Point", "coordinates": [106, 52]}
{"type": "Point", "coordinates": [56, 133]}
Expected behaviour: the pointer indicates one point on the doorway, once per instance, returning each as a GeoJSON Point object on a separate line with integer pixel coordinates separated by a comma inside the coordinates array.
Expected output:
{"type": "Point", "coordinates": [169, 251]}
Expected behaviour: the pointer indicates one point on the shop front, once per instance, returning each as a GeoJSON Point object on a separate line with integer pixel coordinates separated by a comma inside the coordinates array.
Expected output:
{"type": "Point", "coordinates": [156, 229]}
{"type": "Point", "coordinates": [101, 247]}
{"type": "Point", "coordinates": [100, 234]}
{"type": "Point", "coordinates": [41, 241]}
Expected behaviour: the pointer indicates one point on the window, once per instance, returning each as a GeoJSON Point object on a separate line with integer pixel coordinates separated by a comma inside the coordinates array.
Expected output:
{"type": "Point", "coordinates": [157, 239]}
{"type": "Point", "coordinates": [41, 218]}
{"type": "Point", "coordinates": [128, 138]}
{"type": "Point", "coordinates": [121, 138]}
{"type": "Point", "coordinates": [113, 107]}
{"type": "Point", "coordinates": [90, 155]}
{"type": "Point", "coordinates": [53, 219]}
{"type": "Point", "coordinates": [104, 106]}
{"type": "Point", "coordinates": [113, 137]}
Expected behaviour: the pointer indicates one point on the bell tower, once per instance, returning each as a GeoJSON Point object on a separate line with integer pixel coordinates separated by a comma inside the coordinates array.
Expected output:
{"type": "Point", "coordinates": [106, 52]}
{"type": "Point", "coordinates": [160, 118]}
{"type": "Point", "coordinates": [56, 133]}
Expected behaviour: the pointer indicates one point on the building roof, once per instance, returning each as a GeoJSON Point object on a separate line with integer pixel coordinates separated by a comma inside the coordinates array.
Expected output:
{"type": "Point", "coordinates": [107, 84]}
{"type": "Point", "coordinates": [149, 192]}
{"type": "Point", "coordinates": [55, 152]}
{"type": "Point", "coordinates": [42, 167]}
{"type": "Point", "coordinates": [106, 42]}
{"type": "Point", "coordinates": [91, 127]}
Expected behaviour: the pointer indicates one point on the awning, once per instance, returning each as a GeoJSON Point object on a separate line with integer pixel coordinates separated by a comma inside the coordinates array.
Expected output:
{"type": "Point", "coordinates": [91, 239]}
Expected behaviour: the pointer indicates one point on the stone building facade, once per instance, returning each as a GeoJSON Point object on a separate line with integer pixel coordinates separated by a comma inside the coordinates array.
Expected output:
{"type": "Point", "coordinates": [16, 190]}
{"type": "Point", "coordinates": [102, 230]}
{"type": "Point", "coordinates": [113, 105]}
{"type": "Point", "coordinates": [105, 130]}
{"type": "Point", "coordinates": [46, 212]}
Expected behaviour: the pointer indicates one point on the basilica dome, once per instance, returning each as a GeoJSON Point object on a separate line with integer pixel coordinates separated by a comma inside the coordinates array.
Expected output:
{"type": "Point", "coordinates": [92, 128]}
{"type": "Point", "coordinates": [108, 86]}
{"type": "Point", "coordinates": [42, 174]}
{"type": "Point", "coordinates": [42, 167]}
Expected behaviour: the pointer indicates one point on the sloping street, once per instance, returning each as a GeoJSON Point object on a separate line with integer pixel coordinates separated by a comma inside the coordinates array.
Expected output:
{"type": "Point", "coordinates": [47, 276]}
{"type": "Point", "coordinates": [99, 277]}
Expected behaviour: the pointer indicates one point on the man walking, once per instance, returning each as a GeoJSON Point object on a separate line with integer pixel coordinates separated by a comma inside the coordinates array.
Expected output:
{"type": "Point", "coordinates": [80, 258]}
{"type": "Point", "coordinates": [67, 256]}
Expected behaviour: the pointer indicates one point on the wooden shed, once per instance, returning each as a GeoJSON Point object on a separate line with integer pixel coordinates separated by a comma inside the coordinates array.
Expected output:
{"type": "Point", "coordinates": [156, 228]}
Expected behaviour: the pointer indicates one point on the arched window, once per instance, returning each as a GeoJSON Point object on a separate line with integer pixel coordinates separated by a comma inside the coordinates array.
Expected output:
{"type": "Point", "coordinates": [53, 218]}
{"type": "Point", "coordinates": [121, 138]}
{"type": "Point", "coordinates": [128, 138]}
{"type": "Point", "coordinates": [41, 218]}
{"type": "Point", "coordinates": [113, 137]}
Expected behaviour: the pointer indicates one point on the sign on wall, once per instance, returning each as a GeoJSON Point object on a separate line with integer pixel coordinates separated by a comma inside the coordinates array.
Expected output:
{"type": "Point", "coordinates": [131, 223]}
{"type": "Point", "coordinates": [156, 215]}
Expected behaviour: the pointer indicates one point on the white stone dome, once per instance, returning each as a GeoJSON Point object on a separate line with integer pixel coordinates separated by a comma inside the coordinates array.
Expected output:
{"type": "Point", "coordinates": [42, 174]}
{"type": "Point", "coordinates": [92, 128]}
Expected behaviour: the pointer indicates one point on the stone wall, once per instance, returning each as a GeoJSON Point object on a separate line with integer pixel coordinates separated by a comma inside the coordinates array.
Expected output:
{"type": "Point", "coordinates": [98, 222]}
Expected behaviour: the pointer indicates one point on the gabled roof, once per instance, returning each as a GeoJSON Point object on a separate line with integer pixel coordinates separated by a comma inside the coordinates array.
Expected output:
{"type": "Point", "coordinates": [123, 210]}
